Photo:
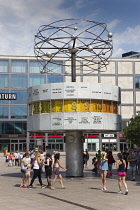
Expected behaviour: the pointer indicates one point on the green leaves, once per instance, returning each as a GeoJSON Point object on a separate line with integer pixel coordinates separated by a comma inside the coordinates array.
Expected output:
{"type": "Point", "coordinates": [132, 131]}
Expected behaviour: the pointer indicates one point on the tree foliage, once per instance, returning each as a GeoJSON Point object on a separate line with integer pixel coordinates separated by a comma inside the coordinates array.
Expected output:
{"type": "Point", "coordinates": [132, 131]}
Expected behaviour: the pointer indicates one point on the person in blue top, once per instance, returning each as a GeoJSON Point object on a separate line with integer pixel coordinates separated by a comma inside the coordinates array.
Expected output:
{"type": "Point", "coordinates": [104, 169]}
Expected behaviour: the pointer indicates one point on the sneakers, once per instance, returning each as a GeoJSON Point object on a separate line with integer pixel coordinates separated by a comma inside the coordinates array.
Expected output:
{"type": "Point", "coordinates": [126, 192]}
{"type": "Point", "coordinates": [30, 187]}
{"type": "Point", "coordinates": [43, 187]}
{"type": "Point", "coordinates": [21, 185]}
{"type": "Point", "coordinates": [25, 186]}
{"type": "Point", "coordinates": [133, 179]}
{"type": "Point", "coordinates": [120, 192]}
{"type": "Point", "coordinates": [104, 188]}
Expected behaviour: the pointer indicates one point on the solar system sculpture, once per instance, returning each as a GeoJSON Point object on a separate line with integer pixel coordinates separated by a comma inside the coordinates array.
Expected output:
{"type": "Point", "coordinates": [73, 107]}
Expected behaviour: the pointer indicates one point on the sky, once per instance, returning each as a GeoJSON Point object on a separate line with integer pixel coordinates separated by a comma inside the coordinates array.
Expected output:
{"type": "Point", "coordinates": [20, 20]}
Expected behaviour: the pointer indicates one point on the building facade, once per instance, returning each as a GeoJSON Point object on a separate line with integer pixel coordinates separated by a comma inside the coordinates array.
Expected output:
{"type": "Point", "coordinates": [17, 73]}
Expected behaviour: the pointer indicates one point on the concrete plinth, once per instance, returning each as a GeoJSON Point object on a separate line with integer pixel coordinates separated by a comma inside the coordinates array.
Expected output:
{"type": "Point", "coordinates": [74, 154]}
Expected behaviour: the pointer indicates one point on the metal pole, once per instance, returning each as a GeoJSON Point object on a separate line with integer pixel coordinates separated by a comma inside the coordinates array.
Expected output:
{"type": "Point", "coordinates": [73, 67]}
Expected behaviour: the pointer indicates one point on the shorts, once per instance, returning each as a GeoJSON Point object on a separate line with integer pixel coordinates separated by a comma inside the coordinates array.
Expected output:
{"type": "Point", "coordinates": [56, 171]}
{"type": "Point", "coordinates": [133, 168]}
{"type": "Point", "coordinates": [121, 173]}
{"type": "Point", "coordinates": [24, 171]}
{"type": "Point", "coordinates": [103, 171]}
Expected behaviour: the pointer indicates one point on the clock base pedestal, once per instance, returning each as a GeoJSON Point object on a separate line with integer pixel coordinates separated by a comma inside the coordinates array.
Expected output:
{"type": "Point", "coordinates": [74, 154]}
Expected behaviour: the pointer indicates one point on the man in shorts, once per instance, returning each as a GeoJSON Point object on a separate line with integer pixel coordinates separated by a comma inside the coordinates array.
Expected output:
{"type": "Point", "coordinates": [132, 160]}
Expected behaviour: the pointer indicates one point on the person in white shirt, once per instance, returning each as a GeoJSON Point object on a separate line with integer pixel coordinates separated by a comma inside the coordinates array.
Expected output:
{"type": "Point", "coordinates": [36, 170]}
{"type": "Point", "coordinates": [16, 155]}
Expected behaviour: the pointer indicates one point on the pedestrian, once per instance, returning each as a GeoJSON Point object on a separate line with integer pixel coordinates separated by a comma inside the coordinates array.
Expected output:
{"type": "Point", "coordinates": [48, 151]}
{"type": "Point", "coordinates": [94, 162]}
{"type": "Point", "coordinates": [48, 169]}
{"type": "Point", "coordinates": [137, 156]}
{"type": "Point", "coordinates": [99, 157]}
{"type": "Point", "coordinates": [110, 162]}
{"type": "Point", "coordinates": [42, 158]}
{"type": "Point", "coordinates": [7, 159]}
{"type": "Point", "coordinates": [17, 156]}
{"type": "Point", "coordinates": [10, 158]}
{"type": "Point", "coordinates": [56, 171]}
{"type": "Point", "coordinates": [28, 174]}
{"type": "Point", "coordinates": [125, 155]}
{"type": "Point", "coordinates": [132, 161]}
{"type": "Point", "coordinates": [104, 169]}
{"type": "Point", "coordinates": [36, 170]}
{"type": "Point", "coordinates": [20, 159]}
{"type": "Point", "coordinates": [54, 152]}
{"type": "Point", "coordinates": [121, 172]}
{"type": "Point", "coordinates": [24, 170]}
{"type": "Point", "coordinates": [86, 158]}
{"type": "Point", "coordinates": [32, 155]}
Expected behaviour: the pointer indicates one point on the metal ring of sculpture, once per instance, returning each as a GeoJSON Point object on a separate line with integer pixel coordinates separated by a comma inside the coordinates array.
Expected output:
{"type": "Point", "coordinates": [89, 40]}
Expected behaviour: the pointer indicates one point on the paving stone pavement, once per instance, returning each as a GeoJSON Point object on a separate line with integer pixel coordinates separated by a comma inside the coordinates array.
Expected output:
{"type": "Point", "coordinates": [80, 193]}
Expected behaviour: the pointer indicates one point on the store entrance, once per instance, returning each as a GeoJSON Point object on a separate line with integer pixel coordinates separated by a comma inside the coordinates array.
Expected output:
{"type": "Point", "coordinates": [56, 147]}
{"type": "Point", "coordinates": [21, 147]}
{"type": "Point", "coordinates": [109, 146]}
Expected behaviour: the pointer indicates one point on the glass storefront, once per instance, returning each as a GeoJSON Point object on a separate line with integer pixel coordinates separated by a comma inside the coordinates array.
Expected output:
{"type": "Point", "coordinates": [13, 127]}
{"type": "Point", "coordinates": [19, 112]}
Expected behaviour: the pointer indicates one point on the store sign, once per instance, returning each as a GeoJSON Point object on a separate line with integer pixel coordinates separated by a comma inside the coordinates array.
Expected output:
{"type": "Point", "coordinates": [91, 135]}
{"type": "Point", "coordinates": [37, 135]}
{"type": "Point", "coordinates": [109, 140]}
{"type": "Point", "coordinates": [109, 135]}
{"type": "Point", "coordinates": [12, 135]}
{"type": "Point", "coordinates": [49, 135]}
{"type": "Point", "coordinates": [8, 96]}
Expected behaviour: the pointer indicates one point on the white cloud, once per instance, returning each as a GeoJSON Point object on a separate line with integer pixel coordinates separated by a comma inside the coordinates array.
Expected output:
{"type": "Point", "coordinates": [113, 24]}
{"type": "Point", "coordinates": [20, 20]}
{"type": "Point", "coordinates": [129, 40]}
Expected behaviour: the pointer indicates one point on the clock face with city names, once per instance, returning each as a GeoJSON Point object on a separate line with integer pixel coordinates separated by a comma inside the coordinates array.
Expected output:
{"type": "Point", "coordinates": [71, 139]}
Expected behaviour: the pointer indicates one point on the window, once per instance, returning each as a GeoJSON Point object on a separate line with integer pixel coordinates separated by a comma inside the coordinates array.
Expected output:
{"type": "Point", "coordinates": [13, 127]}
{"type": "Point", "coordinates": [4, 112]}
{"type": "Point", "coordinates": [4, 81]}
{"type": "Point", "coordinates": [55, 79]}
{"type": "Point", "coordinates": [137, 82]}
{"type": "Point", "coordinates": [3, 66]}
{"type": "Point", "coordinates": [18, 81]}
{"type": "Point", "coordinates": [4, 101]}
{"type": "Point", "coordinates": [55, 68]}
{"type": "Point", "coordinates": [21, 97]}
{"type": "Point", "coordinates": [37, 80]}
{"type": "Point", "coordinates": [34, 66]}
{"type": "Point", "coordinates": [19, 66]}
{"type": "Point", "coordinates": [18, 112]}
